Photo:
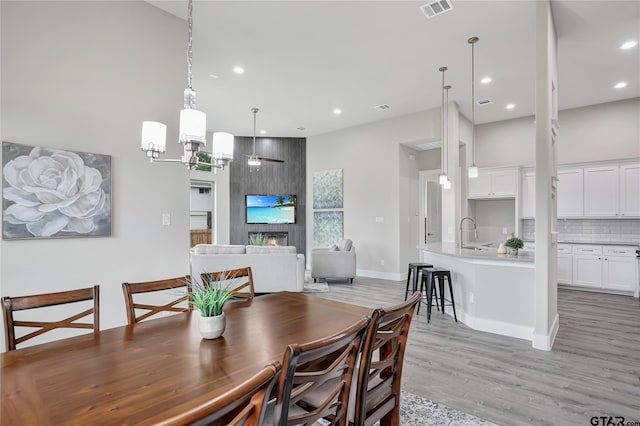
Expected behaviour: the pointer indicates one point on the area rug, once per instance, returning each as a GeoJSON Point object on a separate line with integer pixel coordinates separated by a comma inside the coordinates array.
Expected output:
{"type": "Point", "coordinates": [319, 287]}
{"type": "Point", "coordinates": [418, 411]}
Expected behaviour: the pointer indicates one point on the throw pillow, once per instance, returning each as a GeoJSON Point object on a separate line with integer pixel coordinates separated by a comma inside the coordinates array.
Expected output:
{"type": "Point", "coordinates": [345, 245]}
{"type": "Point", "coordinates": [333, 247]}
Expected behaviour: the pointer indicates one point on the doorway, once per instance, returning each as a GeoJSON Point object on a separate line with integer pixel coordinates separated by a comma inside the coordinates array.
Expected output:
{"type": "Point", "coordinates": [201, 217]}
{"type": "Point", "coordinates": [430, 207]}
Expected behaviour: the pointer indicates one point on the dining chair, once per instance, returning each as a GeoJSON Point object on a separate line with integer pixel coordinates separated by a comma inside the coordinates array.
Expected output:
{"type": "Point", "coordinates": [245, 404]}
{"type": "Point", "coordinates": [129, 289]}
{"type": "Point", "coordinates": [12, 304]}
{"type": "Point", "coordinates": [240, 279]}
{"type": "Point", "coordinates": [310, 365]}
{"type": "Point", "coordinates": [380, 368]}
{"type": "Point", "coordinates": [375, 393]}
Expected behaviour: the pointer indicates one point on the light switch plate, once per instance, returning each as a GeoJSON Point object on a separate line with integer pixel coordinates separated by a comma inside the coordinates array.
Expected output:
{"type": "Point", "coordinates": [379, 219]}
{"type": "Point", "coordinates": [166, 219]}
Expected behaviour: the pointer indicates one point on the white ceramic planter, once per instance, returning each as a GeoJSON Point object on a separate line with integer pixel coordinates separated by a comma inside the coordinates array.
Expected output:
{"type": "Point", "coordinates": [212, 327]}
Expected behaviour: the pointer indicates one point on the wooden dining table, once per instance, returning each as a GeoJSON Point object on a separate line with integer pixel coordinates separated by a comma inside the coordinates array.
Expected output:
{"type": "Point", "coordinates": [141, 373]}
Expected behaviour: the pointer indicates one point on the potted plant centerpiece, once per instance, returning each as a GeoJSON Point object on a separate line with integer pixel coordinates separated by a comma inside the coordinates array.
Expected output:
{"type": "Point", "coordinates": [513, 244]}
{"type": "Point", "coordinates": [209, 298]}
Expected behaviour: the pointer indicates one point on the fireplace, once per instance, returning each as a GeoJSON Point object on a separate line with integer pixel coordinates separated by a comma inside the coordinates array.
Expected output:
{"type": "Point", "coordinates": [272, 238]}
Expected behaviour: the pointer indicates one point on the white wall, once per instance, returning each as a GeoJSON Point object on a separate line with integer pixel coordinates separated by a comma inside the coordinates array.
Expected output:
{"type": "Point", "coordinates": [600, 132]}
{"type": "Point", "coordinates": [369, 155]}
{"type": "Point", "coordinates": [83, 76]}
{"type": "Point", "coordinates": [409, 205]}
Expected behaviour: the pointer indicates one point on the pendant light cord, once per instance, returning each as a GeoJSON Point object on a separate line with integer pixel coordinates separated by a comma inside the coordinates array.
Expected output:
{"type": "Point", "coordinates": [472, 41]}
{"type": "Point", "coordinates": [442, 130]}
{"type": "Point", "coordinates": [190, 45]}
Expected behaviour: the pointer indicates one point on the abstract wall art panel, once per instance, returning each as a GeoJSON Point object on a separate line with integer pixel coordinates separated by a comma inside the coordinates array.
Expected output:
{"type": "Point", "coordinates": [53, 193]}
{"type": "Point", "coordinates": [327, 189]}
{"type": "Point", "coordinates": [327, 228]}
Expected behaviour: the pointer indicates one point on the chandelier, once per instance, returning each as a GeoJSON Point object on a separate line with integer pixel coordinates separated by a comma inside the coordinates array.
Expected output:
{"type": "Point", "coordinates": [192, 129]}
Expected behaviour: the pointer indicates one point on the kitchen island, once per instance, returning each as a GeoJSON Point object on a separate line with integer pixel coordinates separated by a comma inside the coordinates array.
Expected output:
{"type": "Point", "coordinates": [493, 292]}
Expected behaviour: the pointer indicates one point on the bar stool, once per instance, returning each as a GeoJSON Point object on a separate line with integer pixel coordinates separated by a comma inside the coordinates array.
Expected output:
{"type": "Point", "coordinates": [414, 270]}
{"type": "Point", "coordinates": [429, 277]}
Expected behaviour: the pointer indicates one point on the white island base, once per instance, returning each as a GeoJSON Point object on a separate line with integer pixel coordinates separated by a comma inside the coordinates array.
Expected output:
{"type": "Point", "coordinates": [493, 293]}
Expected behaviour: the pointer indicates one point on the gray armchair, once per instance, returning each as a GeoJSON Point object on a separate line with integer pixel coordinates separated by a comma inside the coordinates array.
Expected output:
{"type": "Point", "coordinates": [334, 262]}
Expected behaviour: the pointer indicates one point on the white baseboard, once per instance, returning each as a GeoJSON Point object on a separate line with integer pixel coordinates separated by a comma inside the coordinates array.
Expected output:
{"type": "Point", "coordinates": [497, 327]}
{"type": "Point", "coordinates": [392, 276]}
{"type": "Point", "coordinates": [545, 342]}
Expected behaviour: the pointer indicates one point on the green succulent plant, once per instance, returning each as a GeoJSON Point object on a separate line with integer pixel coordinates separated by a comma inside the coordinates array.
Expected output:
{"type": "Point", "coordinates": [514, 242]}
{"type": "Point", "coordinates": [209, 298]}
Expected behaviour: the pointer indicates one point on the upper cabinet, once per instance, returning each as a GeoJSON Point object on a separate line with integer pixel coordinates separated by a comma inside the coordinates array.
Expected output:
{"type": "Point", "coordinates": [570, 193]}
{"type": "Point", "coordinates": [612, 191]}
{"type": "Point", "coordinates": [630, 190]}
{"type": "Point", "coordinates": [494, 183]}
{"type": "Point", "coordinates": [605, 191]}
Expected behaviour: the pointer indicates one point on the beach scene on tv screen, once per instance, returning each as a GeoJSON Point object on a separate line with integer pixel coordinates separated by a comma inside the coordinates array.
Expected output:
{"type": "Point", "coordinates": [271, 208]}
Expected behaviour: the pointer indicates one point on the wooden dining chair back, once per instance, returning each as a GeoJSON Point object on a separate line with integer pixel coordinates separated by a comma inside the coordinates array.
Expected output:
{"type": "Point", "coordinates": [12, 304]}
{"type": "Point", "coordinates": [306, 367]}
{"type": "Point", "coordinates": [179, 285]}
{"type": "Point", "coordinates": [240, 281]}
{"type": "Point", "coordinates": [245, 404]}
{"type": "Point", "coordinates": [379, 375]}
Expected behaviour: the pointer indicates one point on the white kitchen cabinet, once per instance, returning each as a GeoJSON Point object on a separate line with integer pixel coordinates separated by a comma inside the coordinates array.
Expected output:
{"type": "Point", "coordinates": [630, 190]}
{"type": "Point", "coordinates": [604, 267]}
{"type": "Point", "coordinates": [494, 183]}
{"type": "Point", "coordinates": [529, 195]}
{"type": "Point", "coordinates": [619, 268]}
{"type": "Point", "coordinates": [587, 270]}
{"type": "Point", "coordinates": [565, 264]}
{"type": "Point", "coordinates": [601, 191]}
{"type": "Point", "coordinates": [570, 193]}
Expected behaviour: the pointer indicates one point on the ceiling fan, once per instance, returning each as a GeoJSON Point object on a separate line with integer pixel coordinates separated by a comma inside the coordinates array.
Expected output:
{"type": "Point", "coordinates": [254, 160]}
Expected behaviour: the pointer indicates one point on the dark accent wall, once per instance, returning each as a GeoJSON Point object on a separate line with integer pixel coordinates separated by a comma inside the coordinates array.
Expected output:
{"type": "Point", "coordinates": [270, 178]}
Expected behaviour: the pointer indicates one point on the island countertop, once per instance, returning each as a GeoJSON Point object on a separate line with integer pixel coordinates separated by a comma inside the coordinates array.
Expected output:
{"type": "Point", "coordinates": [479, 253]}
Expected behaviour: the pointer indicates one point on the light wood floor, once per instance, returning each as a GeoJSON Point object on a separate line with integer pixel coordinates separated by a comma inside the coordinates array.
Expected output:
{"type": "Point", "coordinates": [593, 369]}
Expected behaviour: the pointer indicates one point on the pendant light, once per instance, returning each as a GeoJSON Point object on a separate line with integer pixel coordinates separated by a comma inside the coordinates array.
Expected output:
{"type": "Point", "coordinates": [447, 183]}
{"type": "Point", "coordinates": [192, 128]}
{"type": "Point", "coordinates": [253, 160]}
{"type": "Point", "coordinates": [442, 179]}
{"type": "Point", "coordinates": [473, 169]}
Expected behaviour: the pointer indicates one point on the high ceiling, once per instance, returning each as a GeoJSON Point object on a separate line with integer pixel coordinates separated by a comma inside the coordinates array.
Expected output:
{"type": "Point", "coordinates": [303, 59]}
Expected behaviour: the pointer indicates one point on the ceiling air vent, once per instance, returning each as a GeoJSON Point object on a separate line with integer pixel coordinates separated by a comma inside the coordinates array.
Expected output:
{"type": "Point", "coordinates": [382, 107]}
{"type": "Point", "coordinates": [436, 8]}
{"type": "Point", "coordinates": [483, 102]}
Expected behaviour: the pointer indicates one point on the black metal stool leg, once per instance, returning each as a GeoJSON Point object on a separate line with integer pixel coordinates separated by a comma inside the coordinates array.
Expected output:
{"type": "Point", "coordinates": [406, 291]}
{"type": "Point", "coordinates": [430, 285]}
{"type": "Point", "coordinates": [453, 305]}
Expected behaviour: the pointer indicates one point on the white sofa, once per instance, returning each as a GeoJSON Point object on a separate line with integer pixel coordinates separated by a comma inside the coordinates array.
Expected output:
{"type": "Point", "coordinates": [274, 268]}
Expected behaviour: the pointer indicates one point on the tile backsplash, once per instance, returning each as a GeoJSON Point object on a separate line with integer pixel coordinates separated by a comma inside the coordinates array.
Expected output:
{"type": "Point", "coordinates": [590, 230]}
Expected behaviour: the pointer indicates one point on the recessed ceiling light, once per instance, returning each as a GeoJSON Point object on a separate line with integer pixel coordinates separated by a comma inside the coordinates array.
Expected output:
{"type": "Point", "coordinates": [238, 70]}
{"type": "Point", "coordinates": [485, 80]}
{"type": "Point", "coordinates": [213, 76]}
{"type": "Point", "coordinates": [510, 106]}
{"type": "Point", "coordinates": [620, 85]}
{"type": "Point", "coordinates": [628, 44]}
{"type": "Point", "coordinates": [337, 111]}
{"type": "Point", "coordinates": [301, 128]}
{"type": "Point", "coordinates": [263, 132]}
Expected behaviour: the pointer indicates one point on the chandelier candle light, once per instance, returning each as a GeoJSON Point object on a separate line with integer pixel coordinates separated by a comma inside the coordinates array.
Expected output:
{"type": "Point", "coordinates": [473, 169]}
{"type": "Point", "coordinates": [192, 130]}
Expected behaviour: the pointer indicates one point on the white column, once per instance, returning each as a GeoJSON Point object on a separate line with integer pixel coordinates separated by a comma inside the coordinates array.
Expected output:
{"type": "Point", "coordinates": [546, 317]}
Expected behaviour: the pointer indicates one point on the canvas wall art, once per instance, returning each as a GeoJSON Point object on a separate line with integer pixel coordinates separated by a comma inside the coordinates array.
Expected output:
{"type": "Point", "coordinates": [327, 228]}
{"type": "Point", "coordinates": [52, 193]}
{"type": "Point", "coordinates": [327, 189]}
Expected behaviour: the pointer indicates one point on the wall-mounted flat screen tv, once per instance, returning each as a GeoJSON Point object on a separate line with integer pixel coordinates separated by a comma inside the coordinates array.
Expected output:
{"type": "Point", "coordinates": [271, 209]}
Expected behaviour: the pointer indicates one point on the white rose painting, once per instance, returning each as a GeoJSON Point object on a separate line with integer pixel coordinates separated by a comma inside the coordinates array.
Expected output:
{"type": "Point", "coordinates": [50, 192]}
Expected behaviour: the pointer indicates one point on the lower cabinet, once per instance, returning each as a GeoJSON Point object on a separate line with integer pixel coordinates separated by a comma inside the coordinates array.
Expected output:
{"type": "Point", "coordinates": [565, 269]}
{"type": "Point", "coordinates": [603, 267]}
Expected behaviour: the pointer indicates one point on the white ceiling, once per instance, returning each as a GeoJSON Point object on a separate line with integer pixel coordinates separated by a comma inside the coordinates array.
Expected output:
{"type": "Point", "coordinates": [305, 58]}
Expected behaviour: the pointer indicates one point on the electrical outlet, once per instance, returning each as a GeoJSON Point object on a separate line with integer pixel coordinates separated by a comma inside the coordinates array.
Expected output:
{"type": "Point", "coordinates": [379, 219]}
{"type": "Point", "coordinates": [381, 262]}
{"type": "Point", "coordinates": [450, 230]}
{"type": "Point", "coordinates": [472, 299]}
{"type": "Point", "coordinates": [504, 230]}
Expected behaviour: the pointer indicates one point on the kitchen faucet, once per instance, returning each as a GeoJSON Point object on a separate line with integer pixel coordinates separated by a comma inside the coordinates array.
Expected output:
{"type": "Point", "coordinates": [475, 229]}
